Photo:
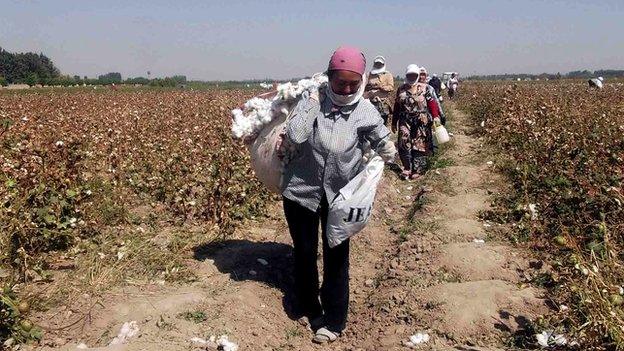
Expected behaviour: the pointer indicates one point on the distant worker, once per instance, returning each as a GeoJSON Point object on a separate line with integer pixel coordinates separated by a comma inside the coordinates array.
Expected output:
{"type": "Point", "coordinates": [415, 110]}
{"type": "Point", "coordinates": [379, 85]}
{"type": "Point", "coordinates": [436, 83]}
{"type": "Point", "coordinates": [423, 77]}
{"type": "Point", "coordinates": [452, 85]}
{"type": "Point", "coordinates": [596, 82]}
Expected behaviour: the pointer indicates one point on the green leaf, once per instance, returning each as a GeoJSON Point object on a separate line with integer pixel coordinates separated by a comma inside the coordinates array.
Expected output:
{"type": "Point", "coordinates": [71, 193]}
{"type": "Point", "coordinates": [49, 218]}
{"type": "Point", "coordinates": [41, 212]}
{"type": "Point", "coordinates": [36, 333]}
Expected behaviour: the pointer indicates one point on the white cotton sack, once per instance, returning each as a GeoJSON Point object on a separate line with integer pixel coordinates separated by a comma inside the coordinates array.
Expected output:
{"type": "Point", "coordinates": [265, 157]}
{"type": "Point", "coordinates": [350, 210]}
{"type": "Point", "coordinates": [263, 123]}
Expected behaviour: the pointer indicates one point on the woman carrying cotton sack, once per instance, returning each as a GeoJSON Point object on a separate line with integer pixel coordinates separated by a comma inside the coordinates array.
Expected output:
{"type": "Point", "coordinates": [331, 133]}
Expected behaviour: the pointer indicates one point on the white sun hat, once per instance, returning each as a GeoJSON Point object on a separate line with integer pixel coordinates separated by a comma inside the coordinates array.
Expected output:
{"type": "Point", "coordinates": [380, 59]}
{"type": "Point", "coordinates": [412, 68]}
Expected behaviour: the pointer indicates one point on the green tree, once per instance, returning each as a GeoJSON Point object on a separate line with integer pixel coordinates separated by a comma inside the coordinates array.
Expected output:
{"type": "Point", "coordinates": [20, 67]}
{"type": "Point", "coordinates": [32, 79]}
{"type": "Point", "coordinates": [109, 78]}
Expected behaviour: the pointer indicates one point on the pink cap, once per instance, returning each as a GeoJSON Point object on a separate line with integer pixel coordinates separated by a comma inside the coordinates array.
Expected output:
{"type": "Point", "coordinates": [347, 58]}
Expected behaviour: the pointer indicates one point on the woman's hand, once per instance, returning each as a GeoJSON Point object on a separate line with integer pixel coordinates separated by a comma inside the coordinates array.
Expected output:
{"type": "Point", "coordinates": [387, 151]}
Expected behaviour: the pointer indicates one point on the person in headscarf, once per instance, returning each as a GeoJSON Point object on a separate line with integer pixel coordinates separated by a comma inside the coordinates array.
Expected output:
{"type": "Point", "coordinates": [436, 83]}
{"type": "Point", "coordinates": [379, 86]}
{"type": "Point", "coordinates": [596, 82]}
{"type": "Point", "coordinates": [415, 110]}
{"type": "Point", "coordinates": [452, 85]}
{"type": "Point", "coordinates": [331, 132]}
{"type": "Point", "coordinates": [423, 77]}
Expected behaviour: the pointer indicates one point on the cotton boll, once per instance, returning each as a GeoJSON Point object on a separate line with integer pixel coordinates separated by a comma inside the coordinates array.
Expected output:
{"type": "Point", "coordinates": [320, 78]}
{"type": "Point", "coordinates": [542, 339]}
{"type": "Point", "coordinates": [241, 128]}
{"type": "Point", "coordinates": [284, 90]}
{"type": "Point", "coordinates": [548, 338]}
{"type": "Point", "coordinates": [419, 338]}
{"type": "Point", "coordinates": [534, 213]}
{"type": "Point", "coordinates": [239, 122]}
{"type": "Point", "coordinates": [264, 116]}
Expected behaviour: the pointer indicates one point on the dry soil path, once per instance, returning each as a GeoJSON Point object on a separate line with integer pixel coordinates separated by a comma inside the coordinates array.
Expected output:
{"type": "Point", "coordinates": [437, 272]}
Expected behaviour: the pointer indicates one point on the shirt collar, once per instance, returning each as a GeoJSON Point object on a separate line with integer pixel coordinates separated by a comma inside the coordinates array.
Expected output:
{"type": "Point", "coordinates": [330, 109]}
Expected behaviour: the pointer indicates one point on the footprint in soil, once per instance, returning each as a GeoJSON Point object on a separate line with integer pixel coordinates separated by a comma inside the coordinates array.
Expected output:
{"type": "Point", "coordinates": [269, 263]}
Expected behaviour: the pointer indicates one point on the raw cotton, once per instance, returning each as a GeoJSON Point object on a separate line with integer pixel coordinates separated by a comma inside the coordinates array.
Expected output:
{"type": "Point", "coordinates": [226, 345]}
{"type": "Point", "coordinates": [548, 338]}
{"type": "Point", "coordinates": [223, 343]}
{"type": "Point", "coordinates": [258, 112]}
{"type": "Point", "coordinates": [128, 330]}
{"type": "Point", "coordinates": [417, 339]}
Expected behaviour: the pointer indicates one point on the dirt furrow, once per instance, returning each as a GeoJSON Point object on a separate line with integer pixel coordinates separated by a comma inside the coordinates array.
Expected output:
{"type": "Point", "coordinates": [425, 263]}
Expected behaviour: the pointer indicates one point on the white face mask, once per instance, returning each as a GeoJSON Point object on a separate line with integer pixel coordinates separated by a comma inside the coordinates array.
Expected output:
{"type": "Point", "coordinates": [346, 100]}
{"type": "Point", "coordinates": [378, 70]}
{"type": "Point", "coordinates": [411, 81]}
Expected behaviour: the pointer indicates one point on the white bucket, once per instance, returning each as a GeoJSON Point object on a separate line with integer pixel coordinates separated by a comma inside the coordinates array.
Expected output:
{"type": "Point", "coordinates": [441, 134]}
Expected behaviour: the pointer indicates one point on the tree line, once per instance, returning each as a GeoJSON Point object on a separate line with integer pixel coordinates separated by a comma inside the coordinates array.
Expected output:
{"type": "Point", "coordinates": [580, 74]}
{"type": "Point", "coordinates": [28, 68]}
{"type": "Point", "coordinates": [33, 69]}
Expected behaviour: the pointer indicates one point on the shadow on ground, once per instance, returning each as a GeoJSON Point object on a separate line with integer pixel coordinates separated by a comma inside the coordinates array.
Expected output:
{"type": "Point", "coordinates": [239, 259]}
{"type": "Point", "coordinates": [522, 334]}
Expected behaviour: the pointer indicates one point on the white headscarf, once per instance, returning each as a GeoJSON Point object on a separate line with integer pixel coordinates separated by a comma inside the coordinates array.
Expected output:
{"type": "Point", "coordinates": [346, 100]}
{"type": "Point", "coordinates": [381, 59]}
{"type": "Point", "coordinates": [412, 68]}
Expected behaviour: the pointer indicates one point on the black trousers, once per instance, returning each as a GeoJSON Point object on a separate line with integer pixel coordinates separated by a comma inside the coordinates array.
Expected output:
{"type": "Point", "coordinates": [334, 293]}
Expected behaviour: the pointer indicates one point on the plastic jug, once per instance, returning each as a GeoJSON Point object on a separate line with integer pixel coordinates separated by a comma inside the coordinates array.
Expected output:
{"type": "Point", "coordinates": [441, 134]}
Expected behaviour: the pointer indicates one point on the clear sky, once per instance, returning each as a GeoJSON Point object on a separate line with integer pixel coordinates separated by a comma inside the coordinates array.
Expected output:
{"type": "Point", "coordinates": [217, 40]}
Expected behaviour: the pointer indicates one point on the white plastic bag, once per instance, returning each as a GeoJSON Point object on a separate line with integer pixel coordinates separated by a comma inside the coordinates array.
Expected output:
{"type": "Point", "coordinates": [351, 209]}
